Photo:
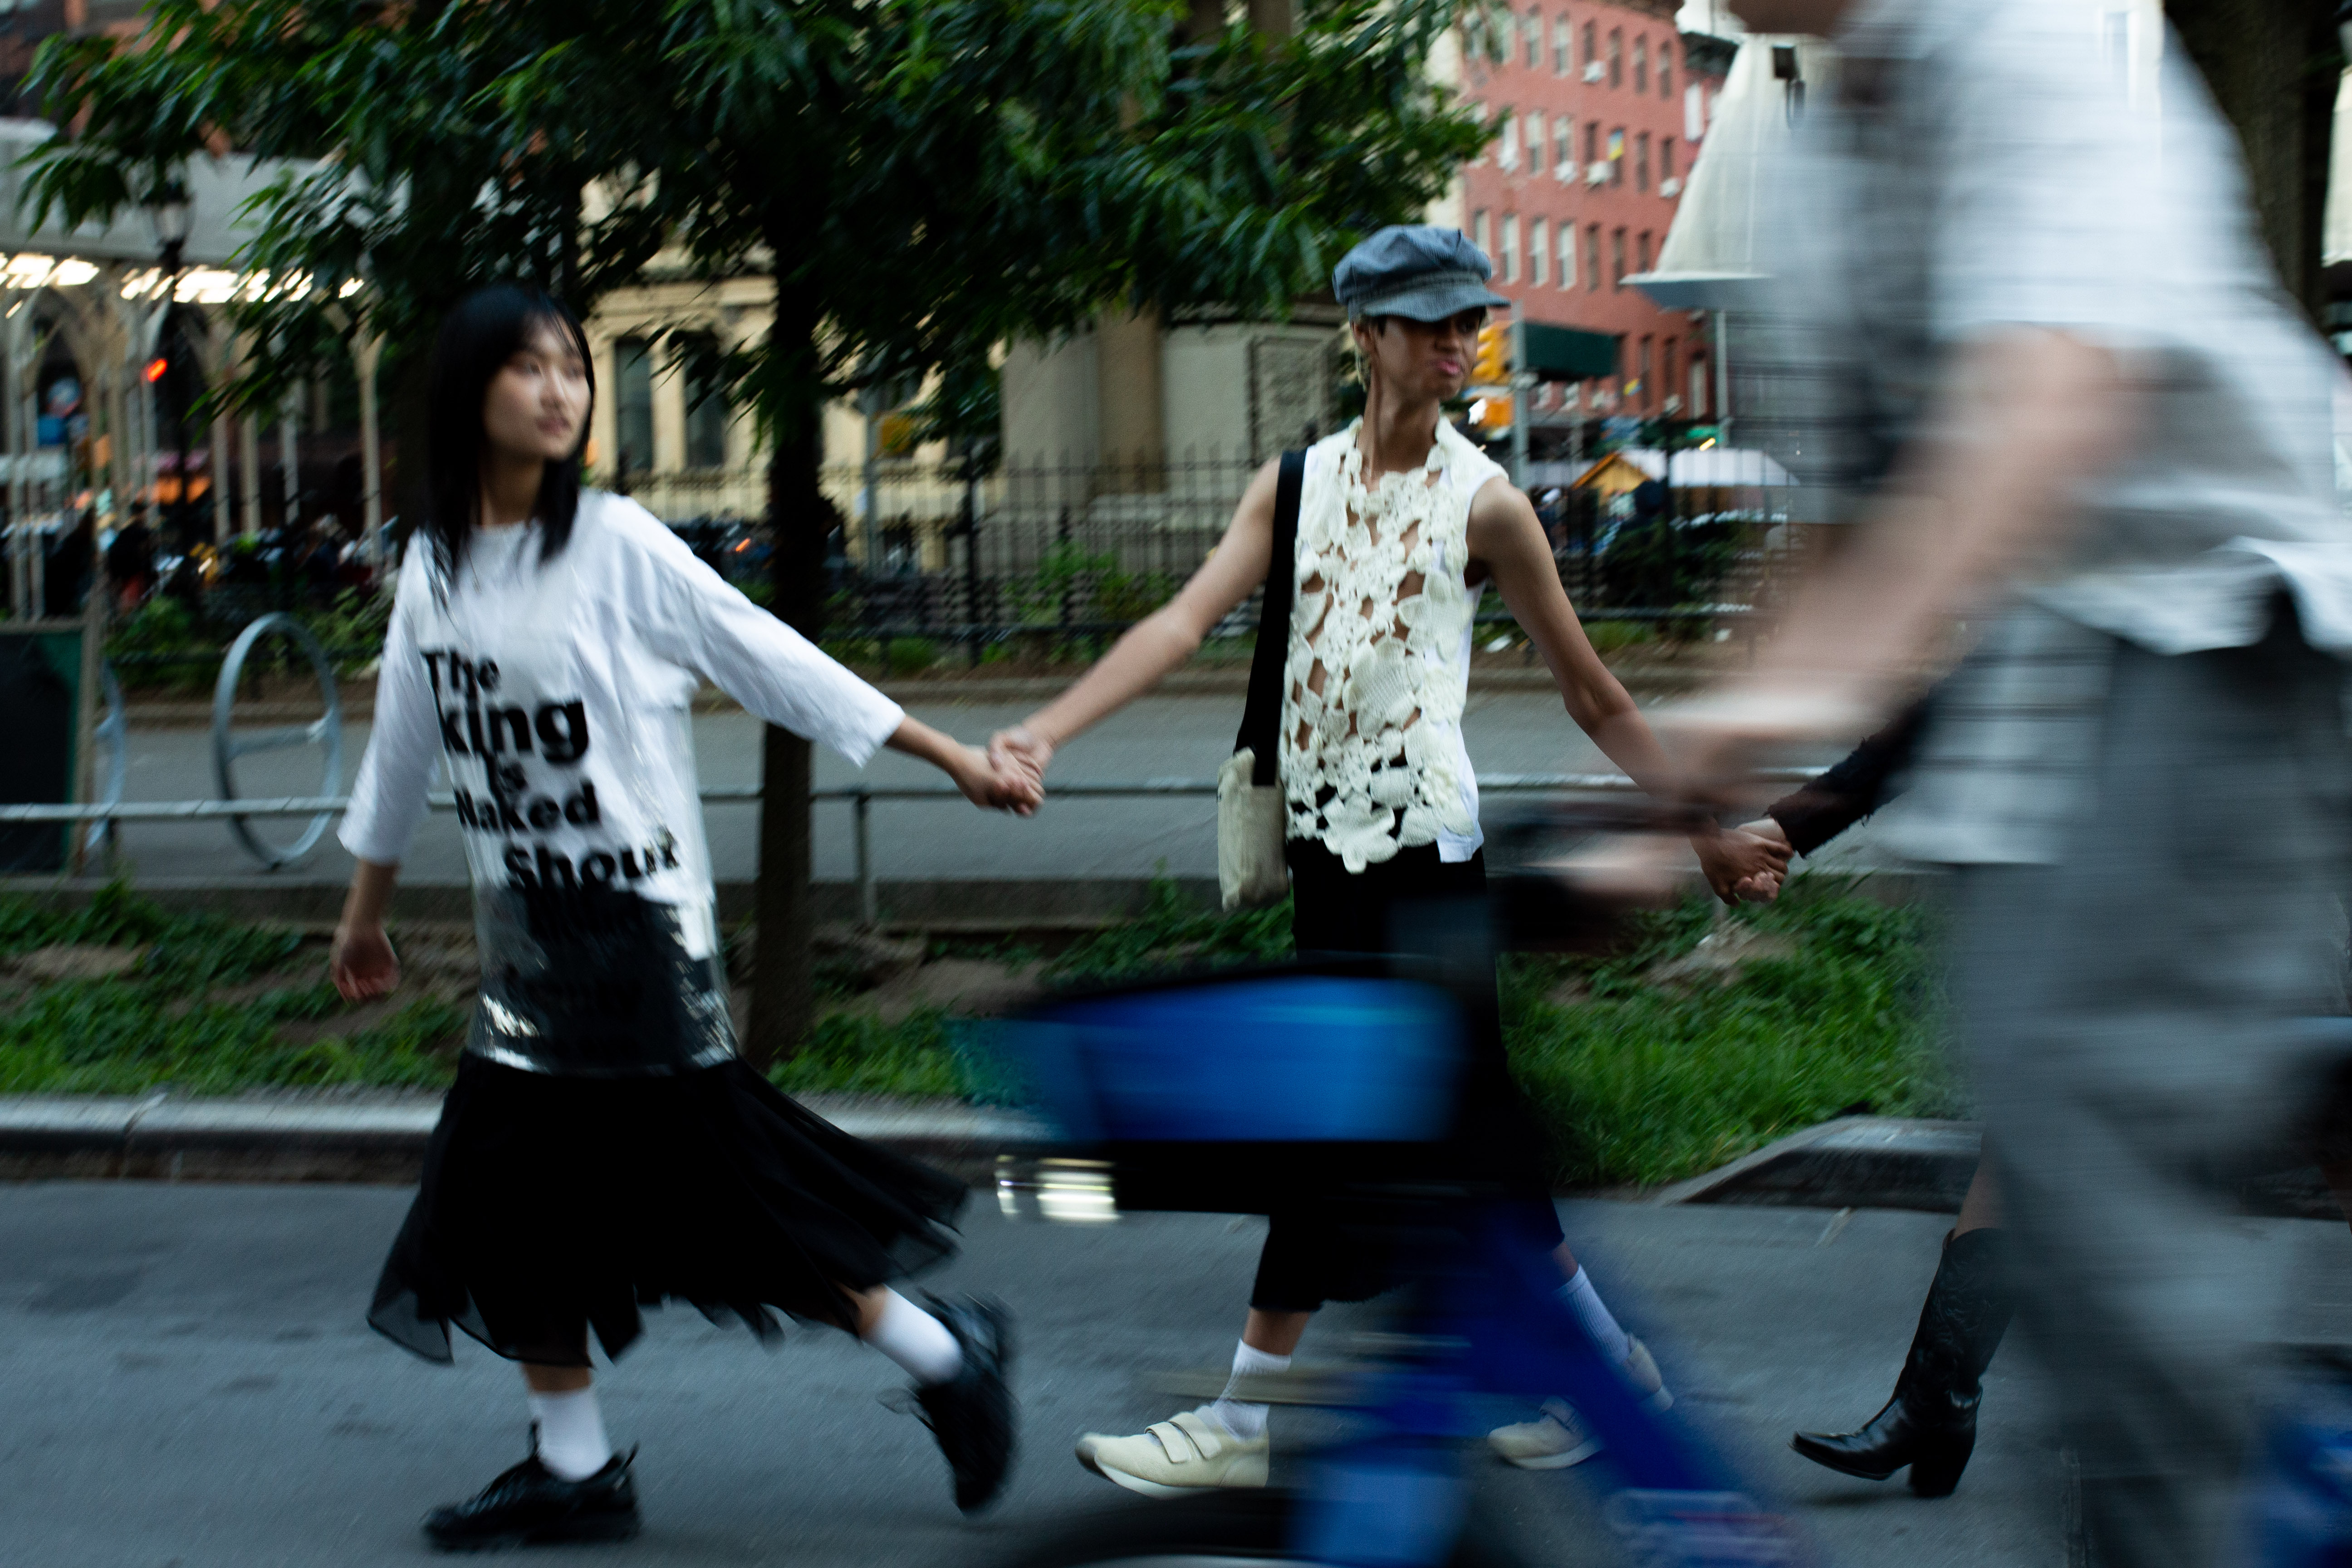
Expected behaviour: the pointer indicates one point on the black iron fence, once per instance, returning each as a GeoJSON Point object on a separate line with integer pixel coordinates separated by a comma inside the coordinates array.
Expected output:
{"type": "Point", "coordinates": [1038, 559]}
{"type": "Point", "coordinates": [1046, 562]}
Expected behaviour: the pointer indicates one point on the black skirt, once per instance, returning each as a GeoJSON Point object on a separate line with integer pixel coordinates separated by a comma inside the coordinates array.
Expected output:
{"type": "Point", "coordinates": [551, 1205]}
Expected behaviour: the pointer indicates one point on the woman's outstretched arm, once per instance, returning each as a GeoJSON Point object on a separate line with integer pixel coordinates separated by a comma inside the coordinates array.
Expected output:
{"type": "Point", "coordinates": [1506, 536]}
{"type": "Point", "coordinates": [1160, 641]}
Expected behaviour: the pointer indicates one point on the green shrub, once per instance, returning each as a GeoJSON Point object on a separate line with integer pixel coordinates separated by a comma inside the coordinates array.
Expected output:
{"type": "Point", "coordinates": [907, 656]}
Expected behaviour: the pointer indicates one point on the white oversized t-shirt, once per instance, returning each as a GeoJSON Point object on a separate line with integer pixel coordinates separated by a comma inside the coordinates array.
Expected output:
{"type": "Point", "coordinates": [559, 692]}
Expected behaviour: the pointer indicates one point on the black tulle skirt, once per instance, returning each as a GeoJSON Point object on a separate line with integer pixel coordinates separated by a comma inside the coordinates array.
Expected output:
{"type": "Point", "coordinates": [550, 1204]}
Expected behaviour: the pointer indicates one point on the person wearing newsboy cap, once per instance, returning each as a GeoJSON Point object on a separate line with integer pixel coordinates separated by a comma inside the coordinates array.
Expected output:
{"type": "Point", "coordinates": [1400, 525]}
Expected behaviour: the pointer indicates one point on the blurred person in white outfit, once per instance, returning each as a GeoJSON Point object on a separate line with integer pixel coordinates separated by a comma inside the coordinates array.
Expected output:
{"type": "Point", "coordinates": [2086, 438]}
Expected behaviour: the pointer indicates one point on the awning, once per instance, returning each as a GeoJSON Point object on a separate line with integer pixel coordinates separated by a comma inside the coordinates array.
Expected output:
{"type": "Point", "coordinates": [1710, 260]}
{"type": "Point", "coordinates": [1567, 354]}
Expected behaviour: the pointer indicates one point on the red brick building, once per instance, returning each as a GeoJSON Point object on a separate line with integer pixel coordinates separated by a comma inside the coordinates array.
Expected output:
{"type": "Point", "coordinates": [1599, 114]}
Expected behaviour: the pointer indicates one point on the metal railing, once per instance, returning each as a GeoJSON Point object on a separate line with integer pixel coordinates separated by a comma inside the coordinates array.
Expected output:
{"type": "Point", "coordinates": [861, 797]}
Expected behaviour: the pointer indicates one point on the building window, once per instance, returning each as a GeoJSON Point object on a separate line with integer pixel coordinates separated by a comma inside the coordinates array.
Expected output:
{"type": "Point", "coordinates": [1593, 259]}
{"type": "Point", "coordinates": [1535, 39]}
{"type": "Point", "coordinates": [706, 421]}
{"type": "Point", "coordinates": [1640, 64]}
{"type": "Point", "coordinates": [1538, 251]}
{"type": "Point", "coordinates": [1642, 374]}
{"type": "Point", "coordinates": [1616, 59]}
{"type": "Point", "coordinates": [1563, 137]}
{"type": "Point", "coordinates": [1508, 155]}
{"type": "Point", "coordinates": [633, 405]}
{"type": "Point", "coordinates": [1642, 251]}
{"type": "Point", "coordinates": [1510, 247]}
{"type": "Point", "coordinates": [1617, 156]}
{"type": "Point", "coordinates": [1535, 143]}
{"type": "Point", "coordinates": [1592, 142]}
{"type": "Point", "coordinates": [1701, 404]}
{"type": "Point", "coordinates": [1641, 162]}
{"type": "Point", "coordinates": [1666, 369]}
{"type": "Point", "coordinates": [1559, 31]}
{"type": "Point", "coordinates": [1478, 232]}
{"type": "Point", "coordinates": [1592, 49]}
{"type": "Point", "coordinates": [1568, 255]}
{"type": "Point", "coordinates": [1666, 69]}
{"type": "Point", "coordinates": [1665, 157]}
{"type": "Point", "coordinates": [1617, 258]}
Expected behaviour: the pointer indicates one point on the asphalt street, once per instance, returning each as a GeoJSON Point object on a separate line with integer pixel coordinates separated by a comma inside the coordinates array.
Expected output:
{"type": "Point", "coordinates": [1178, 737]}
{"type": "Point", "coordinates": [187, 1384]}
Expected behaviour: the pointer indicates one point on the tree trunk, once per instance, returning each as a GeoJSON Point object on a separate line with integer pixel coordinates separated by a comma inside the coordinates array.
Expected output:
{"type": "Point", "coordinates": [784, 991]}
{"type": "Point", "coordinates": [2271, 66]}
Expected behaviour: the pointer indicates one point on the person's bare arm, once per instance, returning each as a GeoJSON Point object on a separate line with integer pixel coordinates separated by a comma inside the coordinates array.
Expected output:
{"type": "Point", "coordinates": [361, 961]}
{"type": "Point", "coordinates": [1160, 642]}
{"type": "Point", "coordinates": [2025, 418]}
{"type": "Point", "coordinates": [1506, 539]}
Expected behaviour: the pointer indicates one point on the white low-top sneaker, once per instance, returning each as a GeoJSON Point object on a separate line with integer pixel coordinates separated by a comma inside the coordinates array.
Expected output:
{"type": "Point", "coordinates": [1554, 1440]}
{"type": "Point", "coordinates": [1557, 1440]}
{"type": "Point", "coordinates": [1188, 1452]}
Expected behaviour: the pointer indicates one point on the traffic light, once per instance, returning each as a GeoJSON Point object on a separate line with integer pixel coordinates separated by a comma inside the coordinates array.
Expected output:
{"type": "Point", "coordinates": [1492, 365]}
{"type": "Point", "coordinates": [156, 368]}
{"type": "Point", "coordinates": [1491, 412]}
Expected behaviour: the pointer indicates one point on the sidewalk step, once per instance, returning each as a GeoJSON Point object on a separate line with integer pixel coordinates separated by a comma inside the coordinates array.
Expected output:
{"type": "Point", "coordinates": [1899, 1162]}
{"type": "Point", "coordinates": [380, 1138]}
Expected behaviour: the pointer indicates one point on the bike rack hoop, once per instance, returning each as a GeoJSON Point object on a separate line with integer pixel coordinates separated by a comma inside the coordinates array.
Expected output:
{"type": "Point", "coordinates": [228, 745]}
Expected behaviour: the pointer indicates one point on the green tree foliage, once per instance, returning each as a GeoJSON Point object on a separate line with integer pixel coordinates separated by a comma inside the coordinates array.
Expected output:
{"type": "Point", "coordinates": [924, 179]}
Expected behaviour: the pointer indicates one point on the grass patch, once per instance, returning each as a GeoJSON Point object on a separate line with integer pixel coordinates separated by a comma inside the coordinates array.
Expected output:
{"type": "Point", "coordinates": [854, 1053]}
{"type": "Point", "coordinates": [1642, 1081]}
{"type": "Point", "coordinates": [1641, 1077]}
{"type": "Point", "coordinates": [167, 1023]}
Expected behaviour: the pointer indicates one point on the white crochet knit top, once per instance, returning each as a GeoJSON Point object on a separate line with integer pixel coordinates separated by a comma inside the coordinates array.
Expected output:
{"type": "Point", "coordinates": [1372, 759]}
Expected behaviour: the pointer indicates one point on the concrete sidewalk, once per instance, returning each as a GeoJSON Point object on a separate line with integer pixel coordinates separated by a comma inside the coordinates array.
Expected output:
{"type": "Point", "coordinates": [189, 1382]}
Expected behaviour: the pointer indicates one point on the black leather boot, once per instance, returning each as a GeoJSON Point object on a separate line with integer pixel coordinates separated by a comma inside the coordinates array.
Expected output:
{"type": "Point", "coordinates": [1930, 1425]}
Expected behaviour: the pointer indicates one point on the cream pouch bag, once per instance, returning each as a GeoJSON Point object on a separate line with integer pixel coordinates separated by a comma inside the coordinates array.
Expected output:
{"type": "Point", "coordinates": [1251, 815]}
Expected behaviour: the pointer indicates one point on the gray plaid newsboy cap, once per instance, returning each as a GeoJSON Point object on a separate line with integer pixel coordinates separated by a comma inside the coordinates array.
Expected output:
{"type": "Point", "coordinates": [1417, 271]}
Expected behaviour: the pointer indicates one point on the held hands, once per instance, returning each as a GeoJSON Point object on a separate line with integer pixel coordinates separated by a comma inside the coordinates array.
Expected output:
{"type": "Point", "coordinates": [986, 782]}
{"type": "Point", "coordinates": [1744, 864]}
{"type": "Point", "coordinates": [1764, 887]}
{"type": "Point", "coordinates": [361, 963]}
{"type": "Point", "coordinates": [1020, 753]}
{"type": "Point", "coordinates": [982, 780]}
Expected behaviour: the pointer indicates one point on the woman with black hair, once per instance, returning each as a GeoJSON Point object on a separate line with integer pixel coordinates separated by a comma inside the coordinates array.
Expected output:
{"type": "Point", "coordinates": [604, 1146]}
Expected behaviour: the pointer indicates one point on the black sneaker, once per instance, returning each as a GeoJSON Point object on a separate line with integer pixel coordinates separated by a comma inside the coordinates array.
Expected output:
{"type": "Point", "coordinates": [530, 1505]}
{"type": "Point", "coordinates": [971, 1413]}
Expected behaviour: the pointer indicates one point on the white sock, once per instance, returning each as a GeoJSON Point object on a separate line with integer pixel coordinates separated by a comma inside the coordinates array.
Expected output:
{"type": "Point", "coordinates": [916, 1341]}
{"type": "Point", "coordinates": [572, 1442]}
{"type": "Point", "coordinates": [1586, 1303]}
{"type": "Point", "coordinates": [1244, 1420]}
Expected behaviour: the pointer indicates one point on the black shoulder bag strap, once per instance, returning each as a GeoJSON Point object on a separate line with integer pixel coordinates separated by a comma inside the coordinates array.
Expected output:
{"type": "Point", "coordinates": [1262, 715]}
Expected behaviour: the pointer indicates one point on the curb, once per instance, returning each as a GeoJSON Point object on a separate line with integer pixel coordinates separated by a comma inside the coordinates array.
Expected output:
{"type": "Point", "coordinates": [1851, 1161]}
{"type": "Point", "coordinates": [1898, 1162]}
{"type": "Point", "coordinates": [382, 1141]}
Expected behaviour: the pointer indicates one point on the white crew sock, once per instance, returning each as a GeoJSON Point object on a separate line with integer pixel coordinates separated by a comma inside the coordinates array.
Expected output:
{"type": "Point", "coordinates": [1244, 1420]}
{"type": "Point", "coordinates": [1586, 1303]}
{"type": "Point", "coordinates": [572, 1441]}
{"type": "Point", "coordinates": [915, 1340]}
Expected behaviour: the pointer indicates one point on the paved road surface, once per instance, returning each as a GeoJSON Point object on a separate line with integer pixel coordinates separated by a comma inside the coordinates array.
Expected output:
{"type": "Point", "coordinates": [187, 1384]}
{"type": "Point", "coordinates": [1509, 732]}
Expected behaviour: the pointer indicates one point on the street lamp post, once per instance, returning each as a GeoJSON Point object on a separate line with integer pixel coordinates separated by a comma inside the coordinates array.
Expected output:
{"type": "Point", "coordinates": [171, 216]}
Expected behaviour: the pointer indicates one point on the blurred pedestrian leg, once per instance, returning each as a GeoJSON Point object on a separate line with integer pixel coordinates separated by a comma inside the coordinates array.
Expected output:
{"type": "Point", "coordinates": [2126, 1008]}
